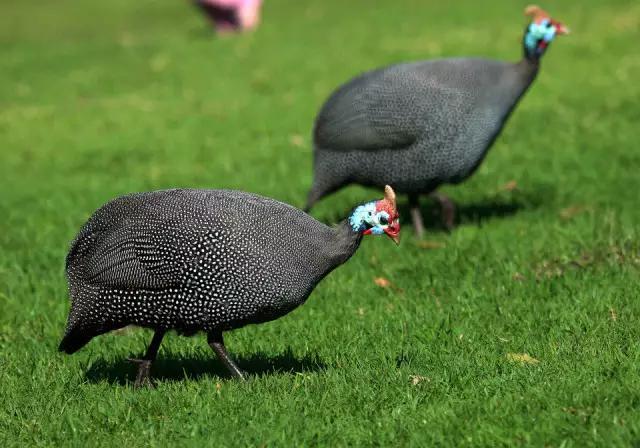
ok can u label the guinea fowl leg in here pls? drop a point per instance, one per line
(217, 344)
(144, 364)
(448, 210)
(416, 216)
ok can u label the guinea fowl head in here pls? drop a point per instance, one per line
(378, 217)
(540, 32)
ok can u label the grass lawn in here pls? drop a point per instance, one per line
(521, 327)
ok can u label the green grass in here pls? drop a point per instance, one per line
(98, 99)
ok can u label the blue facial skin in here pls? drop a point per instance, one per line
(537, 32)
(366, 217)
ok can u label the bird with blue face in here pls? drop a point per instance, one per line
(424, 124)
(201, 260)
(373, 218)
(540, 32)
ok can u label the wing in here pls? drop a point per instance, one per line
(159, 240)
(146, 240)
(141, 254)
(393, 107)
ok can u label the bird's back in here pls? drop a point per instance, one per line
(393, 106)
(443, 114)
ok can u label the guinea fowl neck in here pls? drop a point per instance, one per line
(531, 60)
(528, 67)
(345, 242)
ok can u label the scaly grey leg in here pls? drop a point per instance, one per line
(416, 216)
(144, 364)
(448, 210)
(216, 342)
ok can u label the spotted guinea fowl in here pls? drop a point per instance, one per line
(419, 125)
(204, 260)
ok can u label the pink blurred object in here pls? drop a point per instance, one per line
(232, 15)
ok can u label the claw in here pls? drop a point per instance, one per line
(143, 376)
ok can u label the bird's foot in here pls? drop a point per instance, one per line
(143, 376)
(416, 218)
(447, 210)
(217, 344)
(235, 371)
(240, 374)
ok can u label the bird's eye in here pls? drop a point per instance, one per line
(384, 220)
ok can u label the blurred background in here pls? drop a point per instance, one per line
(144, 95)
(99, 99)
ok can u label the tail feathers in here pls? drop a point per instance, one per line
(318, 192)
(312, 198)
(74, 339)
(309, 204)
(330, 173)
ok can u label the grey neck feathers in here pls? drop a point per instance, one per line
(345, 242)
(532, 58)
(528, 69)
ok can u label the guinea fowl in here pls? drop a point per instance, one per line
(204, 260)
(419, 125)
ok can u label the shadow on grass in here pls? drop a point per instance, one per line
(169, 368)
(500, 205)
(204, 32)
(473, 213)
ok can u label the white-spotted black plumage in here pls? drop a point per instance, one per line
(196, 260)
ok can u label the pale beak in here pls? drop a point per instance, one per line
(393, 231)
(561, 29)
